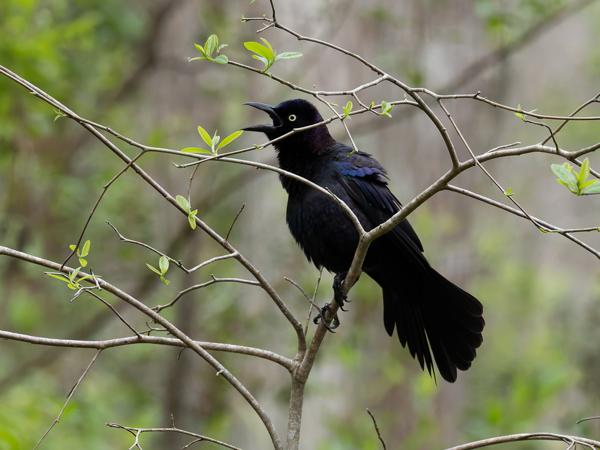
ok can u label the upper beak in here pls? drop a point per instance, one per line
(270, 111)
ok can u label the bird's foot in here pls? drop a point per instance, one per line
(338, 290)
(331, 323)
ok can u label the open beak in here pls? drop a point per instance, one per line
(270, 111)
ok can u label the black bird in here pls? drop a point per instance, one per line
(431, 315)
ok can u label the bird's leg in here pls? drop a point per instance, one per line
(338, 293)
(331, 323)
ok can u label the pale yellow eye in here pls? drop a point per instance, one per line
(292, 117)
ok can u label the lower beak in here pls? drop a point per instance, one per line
(270, 111)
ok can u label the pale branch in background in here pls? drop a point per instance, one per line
(571, 441)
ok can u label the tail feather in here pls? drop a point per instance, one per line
(436, 319)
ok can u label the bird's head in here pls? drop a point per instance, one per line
(290, 115)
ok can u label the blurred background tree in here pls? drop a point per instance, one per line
(124, 64)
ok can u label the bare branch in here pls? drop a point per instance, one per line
(570, 440)
(137, 432)
(190, 343)
(376, 429)
(177, 262)
(97, 203)
(167, 196)
(547, 226)
(196, 287)
(585, 419)
(234, 221)
(69, 397)
(143, 339)
(114, 311)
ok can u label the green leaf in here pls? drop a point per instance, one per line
(386, 108)
(83, 262)
(72, 247)
(211, 45)
(183, 202)
(584, 172)
(268, 45)
(520, 114)
(86, 248)
(221, 47)
(565, 175)
(593, 188)
(153, 269)
(200, 49)
(164, 281)
(229, 139)
(204, 135)
(215, 142)
(192, 219)
(163, 263)
(83, 278)
(221, 59)
(586, 184)
(288, 55)
(347, 109)
(62, 278)
(509, 192)
(74, 274)
(197, 58)
(196, 150)
(259, 49)
(263, 60)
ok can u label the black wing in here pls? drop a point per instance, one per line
(365, 181)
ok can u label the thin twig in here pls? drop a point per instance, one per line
(143, 339)
(173, 330)
(376, 429)
(69, 397)
(137, 432)
(97, 203)
(233, 222)
(195, 287)
(115, 312)
(585, 419)
(173, 260)
(589, 443)
(547, 226)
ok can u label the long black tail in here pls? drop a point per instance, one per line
(433, 315)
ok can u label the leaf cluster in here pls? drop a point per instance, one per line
(210, 51)
(71, 280)
(266, 54)
(577, 182)
(82, 253)
(214, 142)
(185, 205)
(163, 268)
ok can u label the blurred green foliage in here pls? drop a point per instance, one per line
(507, 20)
